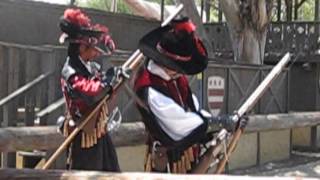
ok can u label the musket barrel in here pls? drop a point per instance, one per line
(258, 92)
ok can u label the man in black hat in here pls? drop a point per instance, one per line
(84, 85)
(170, 111)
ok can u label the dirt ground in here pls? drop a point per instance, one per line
(300, 164)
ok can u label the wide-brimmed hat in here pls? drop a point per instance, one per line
(176, 47)
(77, 28)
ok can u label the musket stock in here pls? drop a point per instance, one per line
(212, 153)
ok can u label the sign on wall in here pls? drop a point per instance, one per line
(215, 94)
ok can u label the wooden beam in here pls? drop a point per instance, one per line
(87, 175)
(28, 138)
(130, 134)
(47, 137)
(272, 122)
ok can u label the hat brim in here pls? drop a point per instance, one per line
(147, 46)
(103, 50)
(74, 31)
(99, 46)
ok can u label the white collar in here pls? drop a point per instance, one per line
(155, 69)
(86, 64)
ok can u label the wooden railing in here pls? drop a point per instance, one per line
(131, 134)
(23, 92)
(282, 37)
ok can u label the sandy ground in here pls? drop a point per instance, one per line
(300, 164)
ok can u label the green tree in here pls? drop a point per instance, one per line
(306, 11)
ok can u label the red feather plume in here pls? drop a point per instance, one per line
(75, 16)
(185, 26)
(101, 28)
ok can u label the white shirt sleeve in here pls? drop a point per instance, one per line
(173, 119)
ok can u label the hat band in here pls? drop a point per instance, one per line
(89, 41)
(171, 55)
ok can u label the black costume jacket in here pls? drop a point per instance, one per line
(81, 84)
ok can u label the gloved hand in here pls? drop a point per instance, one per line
(232, 122)
(112, 76)
(224, 121)
(243, 121)
(123, 72)
(228, 122)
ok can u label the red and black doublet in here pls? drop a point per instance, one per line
(92, 148)
(171, 113)
(164, 122)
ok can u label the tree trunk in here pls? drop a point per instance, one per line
(289, 7)
(113, 7)
(249, 46)
(247, 22)
(145, 9)
(207, 9)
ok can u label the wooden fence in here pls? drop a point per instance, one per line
(282, 37)
(31, 91)
(133, 134)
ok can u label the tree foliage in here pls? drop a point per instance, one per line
(306, 11)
